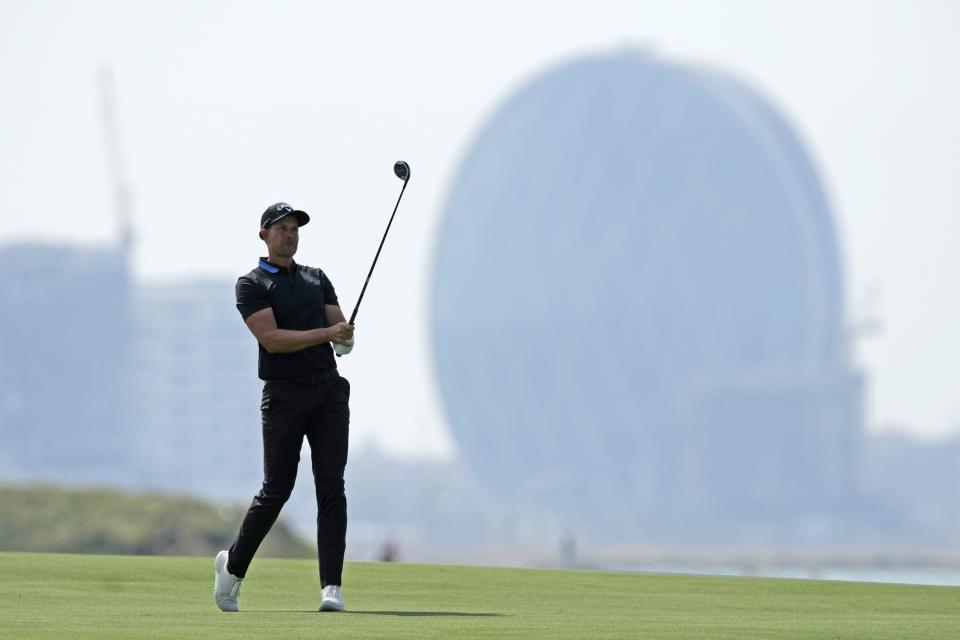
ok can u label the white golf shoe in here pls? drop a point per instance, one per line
(226, 586)
(332, 598)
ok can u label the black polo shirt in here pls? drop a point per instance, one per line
(297, 296)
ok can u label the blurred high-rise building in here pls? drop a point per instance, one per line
(194, 377)
(66, 334)
(102, 382)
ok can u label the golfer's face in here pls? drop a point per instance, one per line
(283, 237)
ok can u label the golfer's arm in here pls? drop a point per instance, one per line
(263, 325)
(334, 314)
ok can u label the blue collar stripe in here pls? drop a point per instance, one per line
(266, 266)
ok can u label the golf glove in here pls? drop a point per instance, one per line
(343, 349)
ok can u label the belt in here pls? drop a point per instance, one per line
(321, 376)
(311, 378)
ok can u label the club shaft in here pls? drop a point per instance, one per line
(353, 316)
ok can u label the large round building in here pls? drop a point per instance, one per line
(637, 307)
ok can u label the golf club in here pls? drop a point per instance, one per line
(402, 170)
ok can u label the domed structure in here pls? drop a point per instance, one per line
(637, 261)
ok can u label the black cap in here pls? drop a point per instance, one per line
(281, 210)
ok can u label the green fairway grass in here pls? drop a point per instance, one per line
(86, 596)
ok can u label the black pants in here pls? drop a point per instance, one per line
(291, 409)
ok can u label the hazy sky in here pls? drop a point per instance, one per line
(226, 107)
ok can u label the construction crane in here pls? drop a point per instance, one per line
(116, 165)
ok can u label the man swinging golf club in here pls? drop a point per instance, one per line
(293, 312)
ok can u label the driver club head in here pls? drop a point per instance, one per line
(402, 170)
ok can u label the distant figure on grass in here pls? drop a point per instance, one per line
(389, 551)
(293, 312)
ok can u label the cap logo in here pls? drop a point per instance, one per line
(283, 206)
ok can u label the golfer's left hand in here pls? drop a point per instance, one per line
(343, 349)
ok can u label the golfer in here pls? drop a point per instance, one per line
(293, 312)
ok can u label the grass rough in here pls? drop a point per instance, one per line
(51, 519)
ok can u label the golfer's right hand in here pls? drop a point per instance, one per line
(342, 332)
